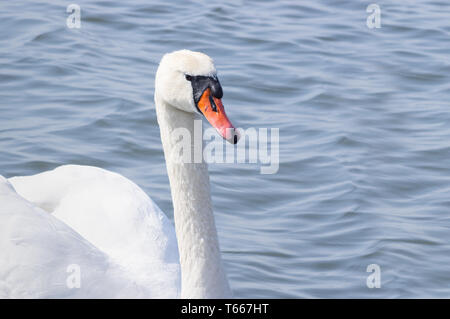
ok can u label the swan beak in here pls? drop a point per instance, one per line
(212, 108)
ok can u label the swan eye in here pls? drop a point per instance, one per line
(188, 77)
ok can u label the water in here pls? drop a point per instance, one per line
(363, 115)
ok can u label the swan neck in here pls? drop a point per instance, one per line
(201, 266)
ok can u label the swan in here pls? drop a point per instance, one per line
(85, 232)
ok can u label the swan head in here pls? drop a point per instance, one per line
(188, 81)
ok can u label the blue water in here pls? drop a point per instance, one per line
(363, 116)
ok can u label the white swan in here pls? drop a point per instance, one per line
(80, 231)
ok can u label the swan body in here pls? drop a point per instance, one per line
(120, 242)
(124, 245)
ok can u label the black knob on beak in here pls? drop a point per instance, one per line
(216, 89)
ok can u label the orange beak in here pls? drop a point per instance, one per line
(212, 108)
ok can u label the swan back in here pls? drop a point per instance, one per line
(100, 215)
